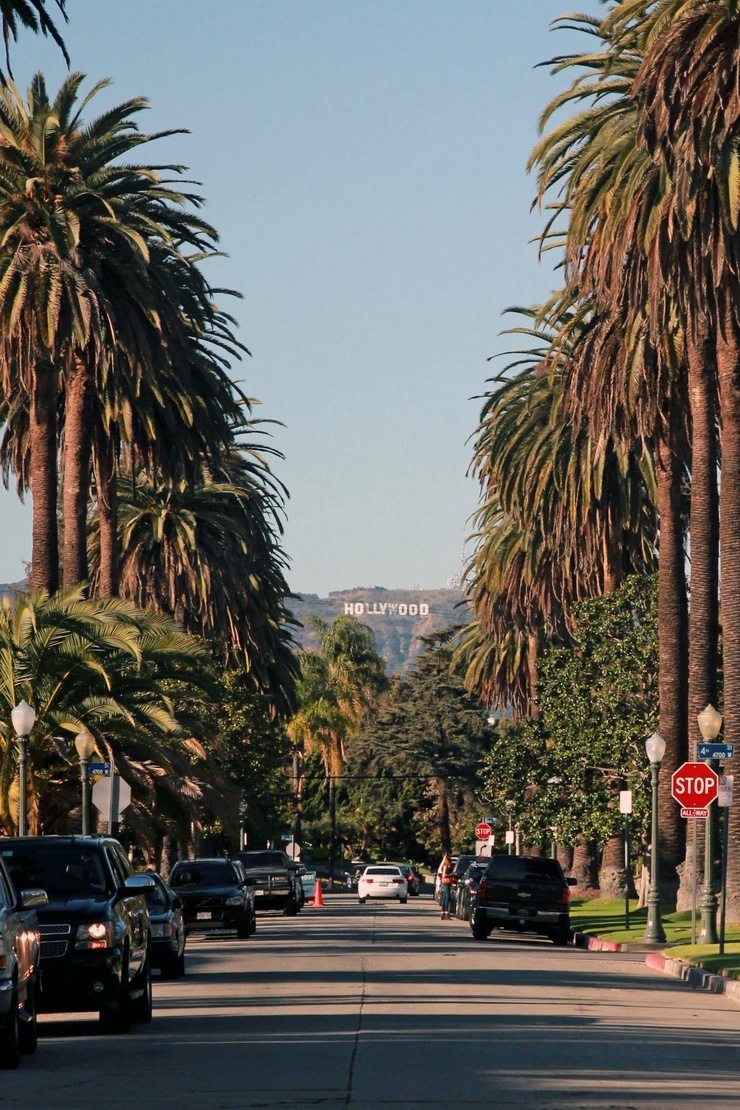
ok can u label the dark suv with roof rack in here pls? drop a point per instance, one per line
(525, 894)
(95, 942)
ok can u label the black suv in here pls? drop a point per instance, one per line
(522, 893)
(274, 878)
(214, 895)
(95, 928)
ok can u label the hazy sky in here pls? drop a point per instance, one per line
(364, 163)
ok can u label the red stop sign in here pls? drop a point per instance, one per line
(483, 831)
(694, 785)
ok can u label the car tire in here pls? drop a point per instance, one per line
(28, 1033)
(560, 937)
(116, 1018)
(403, 901)
(243, 930)
(172, 966)
(290, 909)
(479, 926)
(141, 1007)
(362, 901)
(10, 1041)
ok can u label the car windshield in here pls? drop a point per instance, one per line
(62, 870)
(524, 869)
(204, 873)
(262, 859)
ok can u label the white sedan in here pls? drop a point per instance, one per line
(382, 882)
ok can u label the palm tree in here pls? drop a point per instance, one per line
(34, 15)
(99, 664)
(85, 308)
(209, 555)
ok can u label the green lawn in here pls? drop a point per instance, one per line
(605, 918)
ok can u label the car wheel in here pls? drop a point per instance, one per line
(362, 901)
(28, 1033)
(561, 937)
(10, 1046)
(479, 926)
(172, 966)
(243, 931)
(116, 1017)
(290, 909)
(403, 901)
(141, 1007)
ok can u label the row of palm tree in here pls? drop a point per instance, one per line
(157, 522)
(641, 182)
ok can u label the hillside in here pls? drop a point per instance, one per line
(398, 618)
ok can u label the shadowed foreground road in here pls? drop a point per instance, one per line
(384, 1006)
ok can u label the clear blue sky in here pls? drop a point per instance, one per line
(365, 166)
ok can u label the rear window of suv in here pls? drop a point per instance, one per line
(208, 873)
(524, 869)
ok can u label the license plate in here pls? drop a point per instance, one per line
(260, 892)
(204, 915)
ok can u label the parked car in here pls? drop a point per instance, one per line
(274, 879)
(524, 893)
(20, 953)
(467, 886)
(167, 923)
(214, 895)
(95, 934)
(412, 880)
(382, 881)
(461, 864)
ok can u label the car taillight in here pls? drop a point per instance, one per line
(399, 880)
(481, 888)
(368, 880)
(565, 900)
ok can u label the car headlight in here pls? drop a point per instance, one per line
(234, 900)
(98, 934)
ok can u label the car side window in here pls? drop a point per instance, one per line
(5, 898)
(119, 873)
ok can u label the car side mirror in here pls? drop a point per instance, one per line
(136, 884)
(34, 897)
(177, 903)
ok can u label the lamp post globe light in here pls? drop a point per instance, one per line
(23, 718)
(85, 744)
(710, 723)
(654, 932)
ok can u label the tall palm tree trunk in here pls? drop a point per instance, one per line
(704, 593)
(43, 478)
(107, 498)
(77, 451)
(672, 657)
(728, 373)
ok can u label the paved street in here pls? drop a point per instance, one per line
(387, 1006)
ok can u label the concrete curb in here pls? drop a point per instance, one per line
(696, 977)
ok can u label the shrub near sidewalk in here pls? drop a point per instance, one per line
(602, 917)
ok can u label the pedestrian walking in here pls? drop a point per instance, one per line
(445, 888)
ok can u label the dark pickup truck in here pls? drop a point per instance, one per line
(526, 894)
(273, 877)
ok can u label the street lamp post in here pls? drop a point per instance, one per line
(23, 718)
(510, 807)
(654, 932)
(710, 723)
(85, 744)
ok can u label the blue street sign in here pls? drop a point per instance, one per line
(716, 751)
(99, 769)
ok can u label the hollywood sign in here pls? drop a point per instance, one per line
(385, 609)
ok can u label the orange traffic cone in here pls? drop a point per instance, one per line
(318, 899)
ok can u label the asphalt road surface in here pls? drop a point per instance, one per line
(385, 1006)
